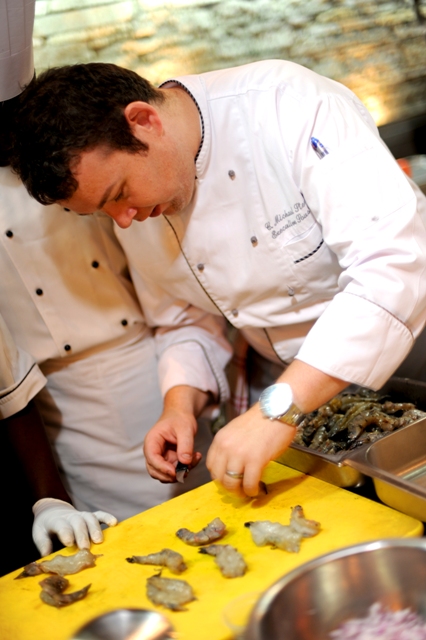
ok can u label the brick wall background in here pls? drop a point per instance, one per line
(375, 47)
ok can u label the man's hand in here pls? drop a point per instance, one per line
(244, 447)
(53, 516)
(171, 439)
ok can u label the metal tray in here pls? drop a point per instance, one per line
(338, 469)
(397, 465)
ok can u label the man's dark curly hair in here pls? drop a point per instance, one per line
(67, 110)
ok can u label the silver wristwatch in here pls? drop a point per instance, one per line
(276, 403)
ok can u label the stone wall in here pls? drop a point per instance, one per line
(377, 48)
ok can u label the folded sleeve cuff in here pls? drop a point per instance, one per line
(188, 356)
(357, 341)
(16, 397)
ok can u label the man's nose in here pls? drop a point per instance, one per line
(121, 213)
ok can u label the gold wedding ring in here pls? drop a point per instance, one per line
(235, 474)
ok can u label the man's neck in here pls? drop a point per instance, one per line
(185, 113)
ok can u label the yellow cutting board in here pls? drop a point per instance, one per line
(345, 519)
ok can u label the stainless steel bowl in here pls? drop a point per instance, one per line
(318, 597)
(127, 624)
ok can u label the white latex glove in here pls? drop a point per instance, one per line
(53, 516)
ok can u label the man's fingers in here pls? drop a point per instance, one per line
(185, 448)
(232, 474)
(93, 527)
(196, 458)
(170, 456)
(42, 541)
(159, 461)
(65, 533)
(160, 475)
(79, 524)
(236, 475)
(160, 466)
(251, 480)
(106, 518)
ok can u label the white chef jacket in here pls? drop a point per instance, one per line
(16, 46)
(20, 377)
(43, 265)
(68, 303)
(322, 259)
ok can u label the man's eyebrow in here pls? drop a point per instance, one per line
(105, 196)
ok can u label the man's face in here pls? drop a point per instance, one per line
(133, 186)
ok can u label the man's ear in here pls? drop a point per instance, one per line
(143, 118)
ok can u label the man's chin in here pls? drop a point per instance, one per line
(157, 212)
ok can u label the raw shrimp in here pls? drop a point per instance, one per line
(278, 535)
(298, 522)
(213, 531)
(169, 592)
(229, 560)
(393, 407)
(350, 420)
(286, 537)
(166, 558)
(61, 565)
(409, 416)
(53, 588)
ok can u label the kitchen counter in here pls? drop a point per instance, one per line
(346, 518)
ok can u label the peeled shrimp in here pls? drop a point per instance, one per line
(286, 537)
(298, 522)
(278, 535)
(61, 565)
(169, 592)
(213, 531)
(53, 588)
(166, 558)
(229, 560)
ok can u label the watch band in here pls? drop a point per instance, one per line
(293, 416)
(276, 403)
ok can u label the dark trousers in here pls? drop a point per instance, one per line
(16, 500)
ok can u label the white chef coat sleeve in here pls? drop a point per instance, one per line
(16, 36)
(20, 377)
(373, 219)
(193, 351)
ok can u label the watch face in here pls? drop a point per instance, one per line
(276, 400)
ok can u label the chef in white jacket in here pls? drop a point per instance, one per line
(72, 312)
(28, 473)
(28, 464)
(265, 195)
(67, 307)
